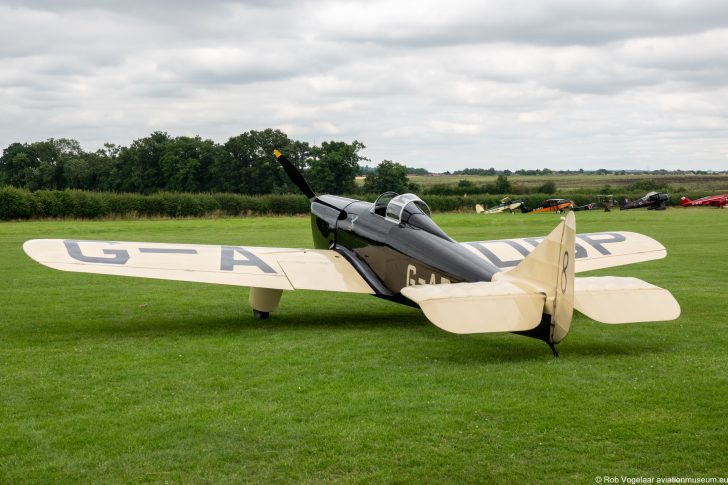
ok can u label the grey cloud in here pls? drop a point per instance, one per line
(169, 7)
(546, 23)
(428, 83)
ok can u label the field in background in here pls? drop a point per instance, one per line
(107, 379)
(708, 184)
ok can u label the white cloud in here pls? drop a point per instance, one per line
(444, 85)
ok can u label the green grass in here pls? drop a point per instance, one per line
(109, 380)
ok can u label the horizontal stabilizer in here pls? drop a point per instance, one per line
(611, 299)
(478, 307)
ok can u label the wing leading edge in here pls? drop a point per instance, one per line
(274, 268)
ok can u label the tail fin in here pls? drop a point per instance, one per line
(479, 209)
(549, 269)
(685, 201)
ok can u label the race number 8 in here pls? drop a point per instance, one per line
(564, 276)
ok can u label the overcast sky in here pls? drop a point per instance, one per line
(435, 84)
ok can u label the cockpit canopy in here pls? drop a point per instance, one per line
(408, 209)
(398, 208)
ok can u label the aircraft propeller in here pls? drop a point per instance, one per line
(295, 175)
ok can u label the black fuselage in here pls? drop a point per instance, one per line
(389, 254)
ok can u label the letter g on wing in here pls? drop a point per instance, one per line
(118, 256)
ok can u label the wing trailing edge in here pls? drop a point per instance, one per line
(273, 268)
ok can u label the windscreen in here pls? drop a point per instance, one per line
(410, 209)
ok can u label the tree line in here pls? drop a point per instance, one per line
(244, 164)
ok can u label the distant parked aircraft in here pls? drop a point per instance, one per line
(585, 207)
(711, 200)
(551, 205)
(506, 205)
(653, 201)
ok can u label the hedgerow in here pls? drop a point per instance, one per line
(17, 204)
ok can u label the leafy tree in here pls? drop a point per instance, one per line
(18, 165)
(502, 185)
(54, 155)
(366, 170)
(389, 176)
(185, 164)
(417, 171)
(77, 173)
(247, 164)
(646, 185)
(139, 167)
(51, 164)
(103, 164)
(548, 187)
(334, 165)
(476, 171)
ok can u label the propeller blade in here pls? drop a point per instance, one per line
(295, 175)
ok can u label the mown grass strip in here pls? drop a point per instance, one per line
(109, 379)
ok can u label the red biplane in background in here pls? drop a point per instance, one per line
(711, 200)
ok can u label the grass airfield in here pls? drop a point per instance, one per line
(107, 379)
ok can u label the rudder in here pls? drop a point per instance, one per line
(549, 269)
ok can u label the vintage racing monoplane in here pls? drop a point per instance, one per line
(393, 249)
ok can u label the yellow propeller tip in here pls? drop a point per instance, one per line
(277, 153)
